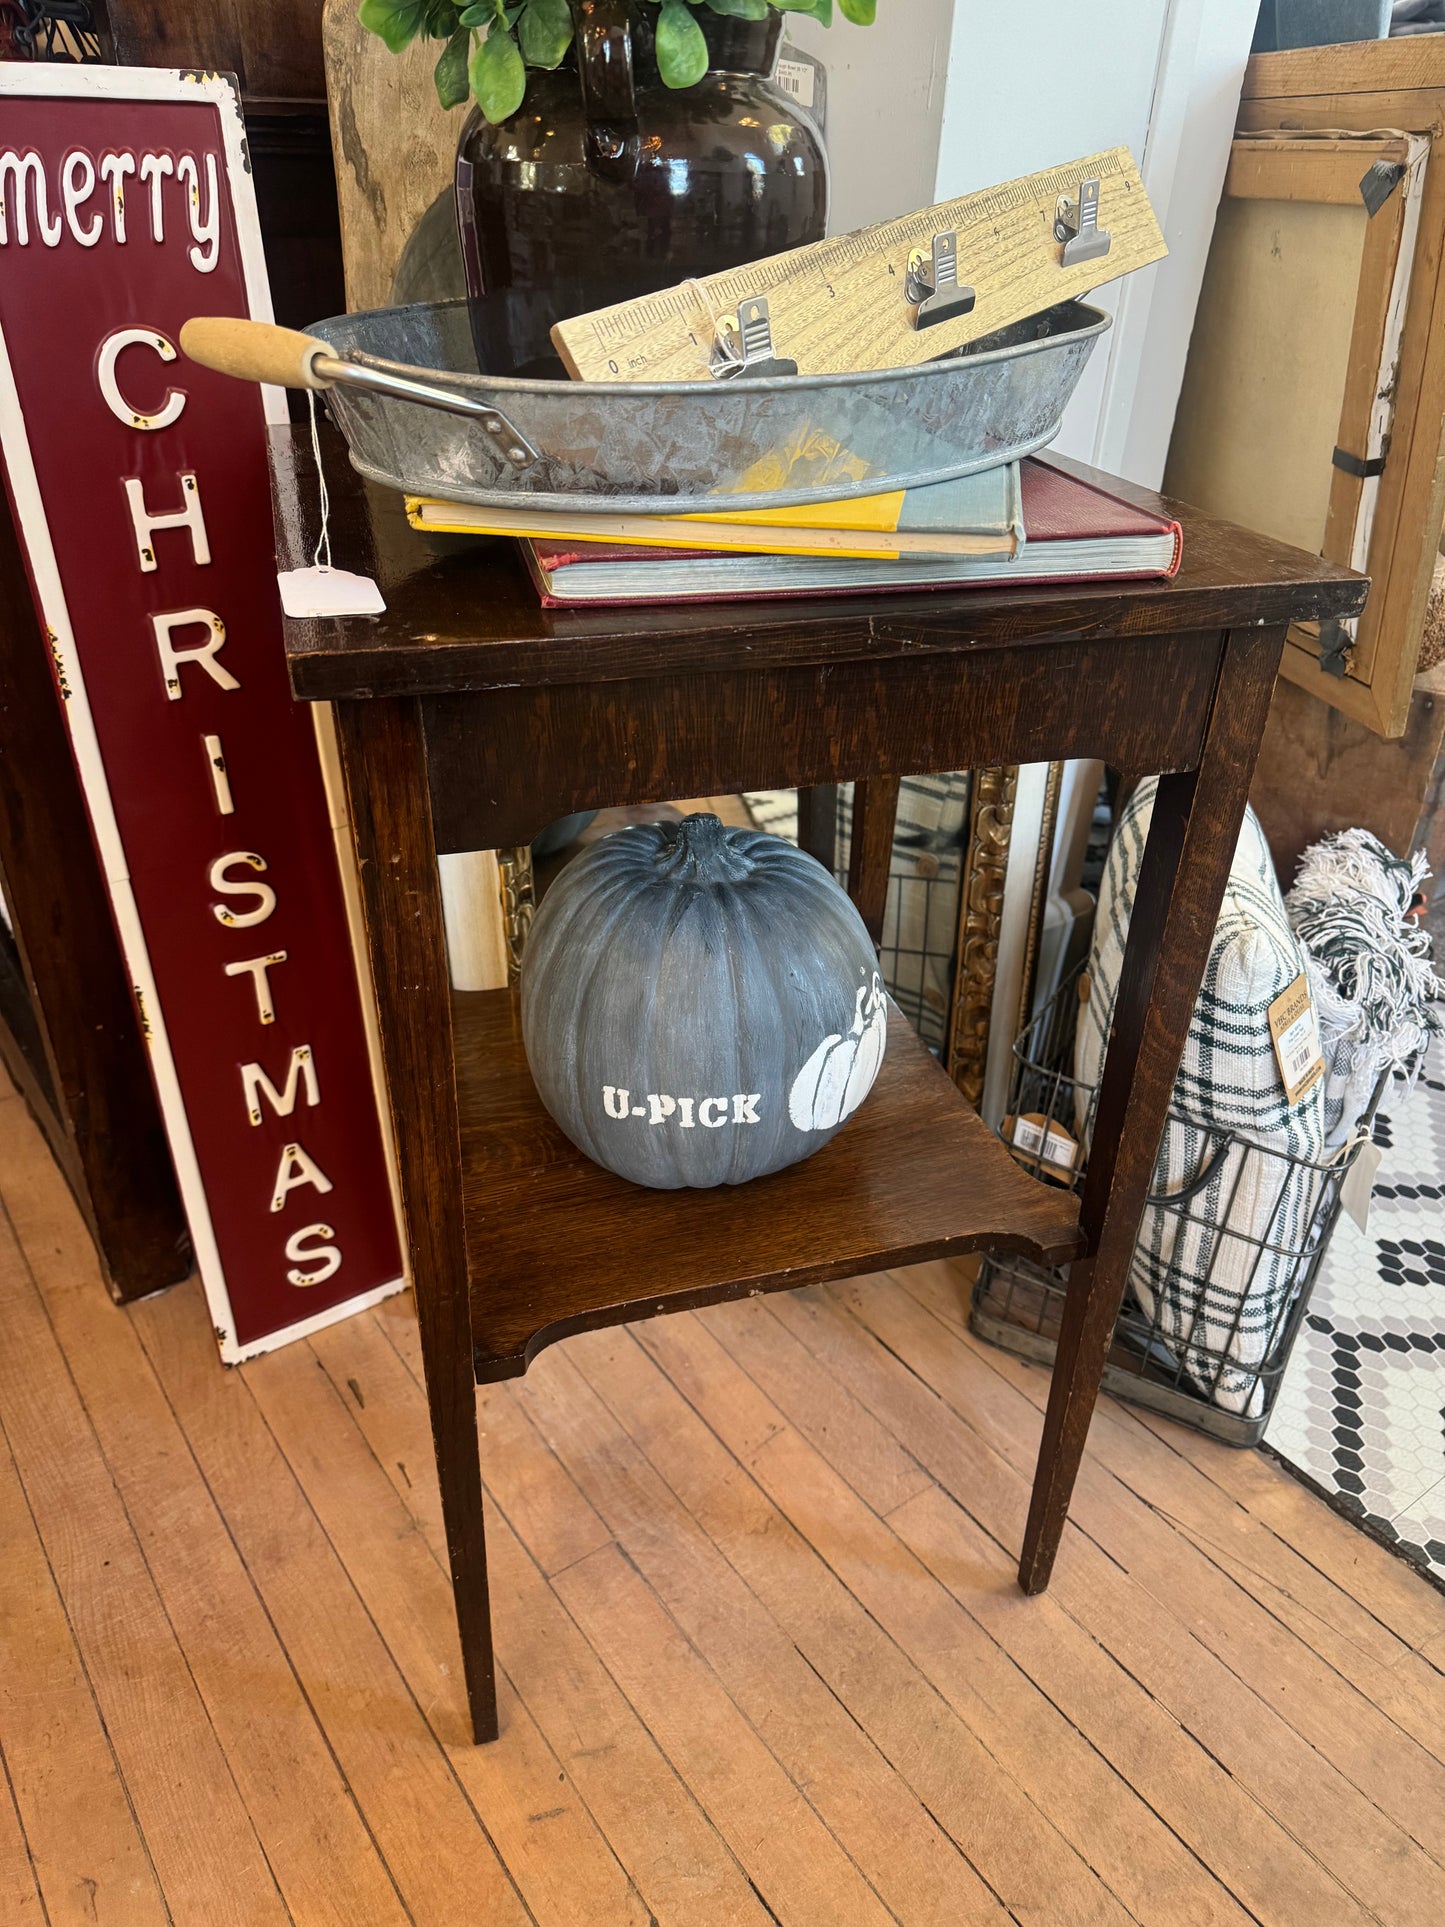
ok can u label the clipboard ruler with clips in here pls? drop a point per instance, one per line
(902, 292)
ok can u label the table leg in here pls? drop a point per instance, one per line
(870, 849)
(383, 757)
(1192, 836)
(818, 823)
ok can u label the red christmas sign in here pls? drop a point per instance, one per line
(140, 487)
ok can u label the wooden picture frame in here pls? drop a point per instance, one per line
(1397, 84)
(1294, 387)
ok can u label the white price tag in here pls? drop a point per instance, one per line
(795, 78)
(322, 591)
(1359, 1184)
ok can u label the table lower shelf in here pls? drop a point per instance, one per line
(557, 1245)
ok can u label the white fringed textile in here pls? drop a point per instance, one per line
(1370, 970)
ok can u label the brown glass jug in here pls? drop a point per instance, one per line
(606, 184)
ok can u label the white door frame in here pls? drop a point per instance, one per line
(1196, 101)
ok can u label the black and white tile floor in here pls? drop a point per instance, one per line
(1361, 1411)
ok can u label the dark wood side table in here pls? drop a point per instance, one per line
(469, 717)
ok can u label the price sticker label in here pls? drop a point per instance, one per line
(1296, 1033)
(795, 78)
(1041, 1137)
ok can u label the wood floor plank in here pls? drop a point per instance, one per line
(1396, 1682)
(20, 1900)
(797, 1867)
(63, 1782)
(1343, 1827)
(1142, 1863)
(914, 1867)
(686, 1875)
(1225, 1612)
(171, 1760)
(642, 1819)
(1355, 1602)
(1017, 1853)
(794, 1379)
(1386, 1589)
(1067, 1652)
(883, 1474)
(425, 1828)
(1017, 1850)
(527, 1481)
(760, 1607)
(1304, 1562)
(323, 1858)
(1317, 1611)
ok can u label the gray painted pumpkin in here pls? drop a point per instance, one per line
(700, 1005)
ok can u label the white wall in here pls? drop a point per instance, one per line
(1031, 86)
(943, 96)
(1196, 101)
(885, 106)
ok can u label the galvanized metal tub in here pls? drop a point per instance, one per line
(650, 448)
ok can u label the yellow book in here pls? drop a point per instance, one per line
(977, 515)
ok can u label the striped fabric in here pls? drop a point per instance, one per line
(1216, 1271)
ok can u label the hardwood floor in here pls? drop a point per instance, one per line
(764, 1659)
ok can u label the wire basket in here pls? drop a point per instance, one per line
(1207, 1338)
(925, 879)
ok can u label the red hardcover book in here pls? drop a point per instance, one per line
(1076, 532)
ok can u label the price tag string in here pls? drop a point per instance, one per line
(323, 541)
(323, 590)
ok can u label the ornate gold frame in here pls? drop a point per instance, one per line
(980, 913)
(1053, 794)
(519, 903)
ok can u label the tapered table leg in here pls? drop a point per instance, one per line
(1192, 837)
(384, 759)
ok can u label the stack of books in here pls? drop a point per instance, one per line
(1025, 522)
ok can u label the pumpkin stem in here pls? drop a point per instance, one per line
(697, 847)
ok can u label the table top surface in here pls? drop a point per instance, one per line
(462, 612)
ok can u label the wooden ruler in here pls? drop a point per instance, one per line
(848, 304)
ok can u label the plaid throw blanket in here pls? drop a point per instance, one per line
(1216, 1270)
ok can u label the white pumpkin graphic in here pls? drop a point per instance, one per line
(840, 1073)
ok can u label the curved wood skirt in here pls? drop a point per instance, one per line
(557, 1245)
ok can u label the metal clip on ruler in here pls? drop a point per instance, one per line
(884, 297)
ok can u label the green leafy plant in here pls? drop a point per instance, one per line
(490, 44)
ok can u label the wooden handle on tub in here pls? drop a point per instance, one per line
(254, 350)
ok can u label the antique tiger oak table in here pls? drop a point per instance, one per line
(469, 717)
